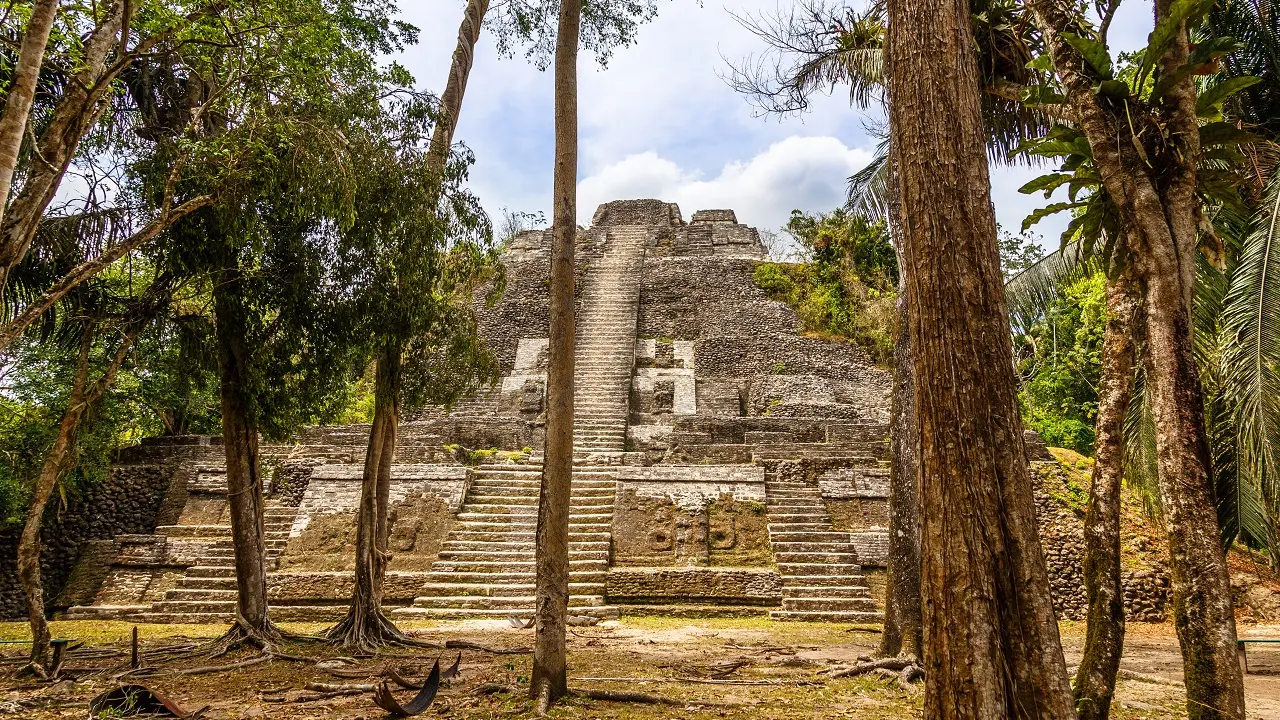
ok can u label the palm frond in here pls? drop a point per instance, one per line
(1141, 468)
(1032, 291)
(868, 193)
(1251, 360)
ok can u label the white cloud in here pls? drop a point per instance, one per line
(798, 172)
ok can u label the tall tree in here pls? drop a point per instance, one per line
(423, 244)
(550, 669)
(365, 625)
(107, 326)
(991, 645)
(1150, 184)
(22, 91)
(1104, 639)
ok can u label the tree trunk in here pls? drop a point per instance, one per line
(244, 483)
(902, 625)
(22, 92)
(366, 627)
(991, 645)
(456, 86)
(82, 397)
(1104, 637)
(79, 108)
(550, 677)
(1158, 207)
(29, 546)
(1201, 590)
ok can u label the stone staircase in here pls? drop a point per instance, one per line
(605, 345)
(207, 593)
(821, 577)
(486, 564)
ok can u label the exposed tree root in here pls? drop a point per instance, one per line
(369, 632)
(862, 668)
(544, 699)
(631, 697)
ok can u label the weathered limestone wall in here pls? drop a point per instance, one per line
(748, 348)
(729, 586)
(131, 500)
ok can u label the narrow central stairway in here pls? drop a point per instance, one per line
(486, 564)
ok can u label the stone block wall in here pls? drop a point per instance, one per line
(127, 501)
(729, 586)
(335, 489)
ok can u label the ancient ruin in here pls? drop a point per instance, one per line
(725, 464)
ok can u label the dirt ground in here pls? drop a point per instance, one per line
(779, 678)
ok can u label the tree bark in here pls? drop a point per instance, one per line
(29, 545)
(365, 627)
(244, 482)
(1104, 637)
(456, 86)
(902, 624)
(1158, 207)
(902, 627)
(550, 676)
(77, 111)
(82, 397)
(991, 645)
(22, 92)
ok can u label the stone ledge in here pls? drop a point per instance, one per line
(694, 585)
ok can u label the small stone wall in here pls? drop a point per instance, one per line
(1060, 513)
(729, 586)
(336, 489)
(127, 501)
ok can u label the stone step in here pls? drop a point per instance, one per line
(823, 580)
(836, 591)
(851, 616)
(827, 604)
(520, 537)
(523, 554)
(820, 569)
(806, 536)
(799, 527)
(453, 544)
(501, 565)
(604, 612)
(504, 578)
(783, 547)
(511, 602)
(802, 558)
(809, 518)
(448, 589)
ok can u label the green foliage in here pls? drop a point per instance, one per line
(846, 289)
(1019, 252)
(606, 25)
(1059, 362)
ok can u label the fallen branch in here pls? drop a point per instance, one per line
(630, 696)
(468, 645)
(339, 687)
(309, 696)
(233, 666)
(698, 681)
(1143, 677)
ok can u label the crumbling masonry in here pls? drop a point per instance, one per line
(724, 462)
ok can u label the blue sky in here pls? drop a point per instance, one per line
(659, 122)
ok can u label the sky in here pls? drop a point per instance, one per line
(660, 122)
